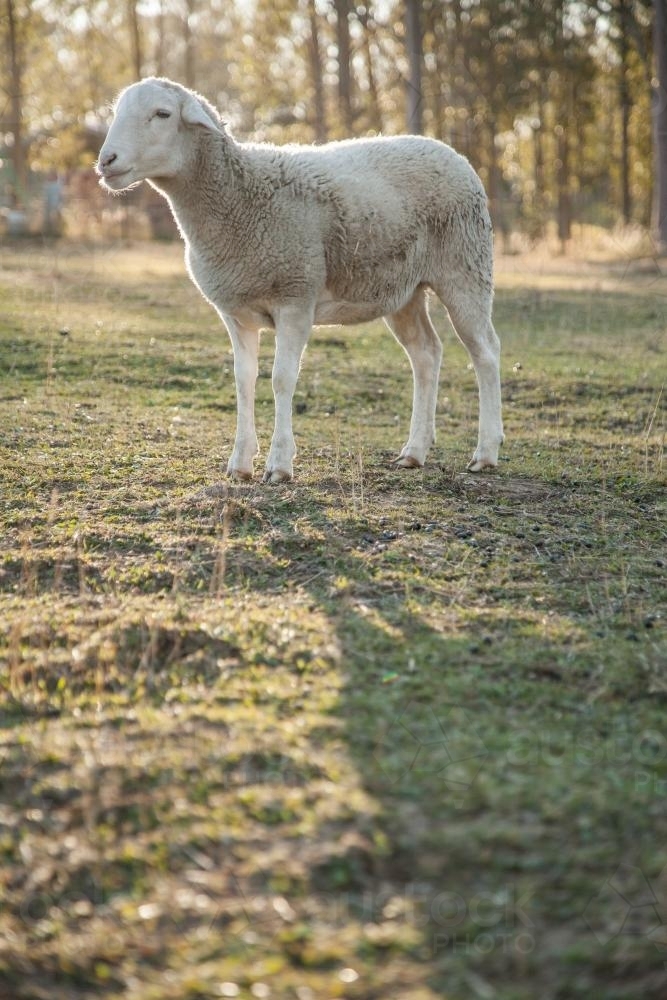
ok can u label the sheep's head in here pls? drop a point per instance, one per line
(148, 136)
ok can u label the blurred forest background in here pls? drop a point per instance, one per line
(557, 103)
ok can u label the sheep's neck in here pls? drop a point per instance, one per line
(211, 198)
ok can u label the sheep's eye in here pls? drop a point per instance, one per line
(163, 114)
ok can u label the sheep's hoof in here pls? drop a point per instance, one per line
(478, 464)
(407, 462)
(240, 474)
(276, 476)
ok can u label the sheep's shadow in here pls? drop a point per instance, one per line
(413, 710)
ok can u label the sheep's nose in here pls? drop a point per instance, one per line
(106, 161)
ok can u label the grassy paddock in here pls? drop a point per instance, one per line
(372, 734)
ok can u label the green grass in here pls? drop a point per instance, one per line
(371, 734)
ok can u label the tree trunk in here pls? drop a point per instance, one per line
(189, 41)
(493, 185)
(315, 58)
(374, 109)
(626, 106)
(564, 120)
(344, 61)
(490, 86)
(159, 48)
(660, 123)
(539, 202)
(16, 103)
(414, 47)
(135, 37)
(563, 186)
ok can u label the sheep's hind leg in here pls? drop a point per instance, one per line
(414, 331)
(245, 344)
(293, 326)
(470, 314)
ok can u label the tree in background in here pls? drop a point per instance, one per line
(315, 59)
(551, 101)
(344, 60)
(15, 50)
(660, 121)
(134, 24)
(415, 52)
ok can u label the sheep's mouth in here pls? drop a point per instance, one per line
(111, 177)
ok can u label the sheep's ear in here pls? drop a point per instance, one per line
(194, 113)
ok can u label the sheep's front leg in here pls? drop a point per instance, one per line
(293, 328)
(245, 344)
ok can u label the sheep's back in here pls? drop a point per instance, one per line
(415, 170)
(384, 202)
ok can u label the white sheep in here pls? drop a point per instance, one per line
(294, 236)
